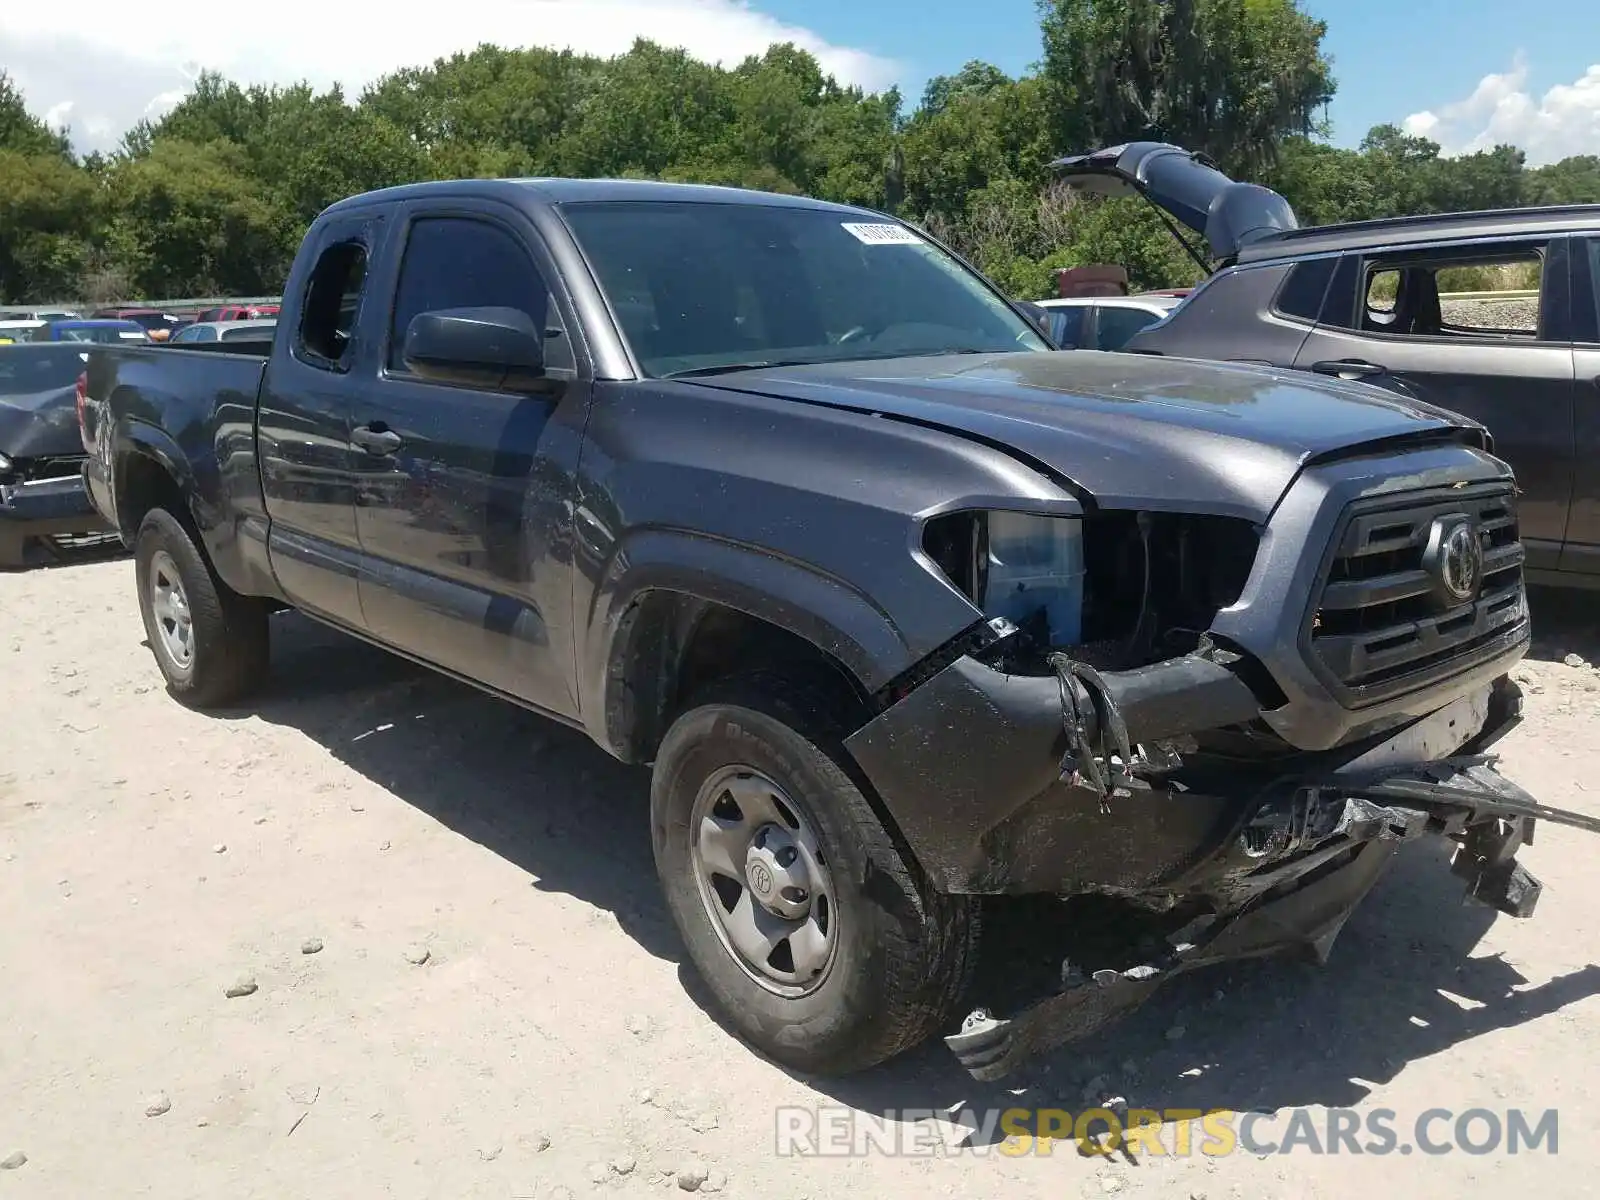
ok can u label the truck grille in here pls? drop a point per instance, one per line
(1417, 589)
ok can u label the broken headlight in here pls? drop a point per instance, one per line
(1026, 567)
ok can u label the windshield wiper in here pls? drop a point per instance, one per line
(729, 368)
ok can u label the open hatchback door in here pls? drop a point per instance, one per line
(1186, 186)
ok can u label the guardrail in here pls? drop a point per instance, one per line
(183, 305)
(1527, 294)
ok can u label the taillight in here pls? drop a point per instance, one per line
(82, 390)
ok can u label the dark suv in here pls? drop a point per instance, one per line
(1403, 303)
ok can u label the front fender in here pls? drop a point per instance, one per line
(837, 619)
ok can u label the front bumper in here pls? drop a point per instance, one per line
(47, 508)
(1234, 859)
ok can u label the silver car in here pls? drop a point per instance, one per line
(224, 331)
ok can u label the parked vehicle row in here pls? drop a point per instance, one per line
(903, 607)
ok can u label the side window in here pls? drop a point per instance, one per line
(205, 334)
(1465, 294)
(460, 262)
(1300, 295)
(1118, 323)
(1066, 325)
(329, 311)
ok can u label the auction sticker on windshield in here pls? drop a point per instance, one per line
(882, 234)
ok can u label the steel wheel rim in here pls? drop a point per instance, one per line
(169, 605)
(754, 849)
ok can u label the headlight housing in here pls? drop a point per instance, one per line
(1026, 567)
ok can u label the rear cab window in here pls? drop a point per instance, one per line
(328, 314)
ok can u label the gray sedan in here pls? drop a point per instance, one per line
(224, 331)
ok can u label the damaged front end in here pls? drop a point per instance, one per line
(1143, 764)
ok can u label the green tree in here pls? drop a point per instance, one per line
(1574, 180)
(189, 219)
(48, 212)
(1227, 77)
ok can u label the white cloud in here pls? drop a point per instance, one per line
(109, 66)
(1501, 109)
(57, 115)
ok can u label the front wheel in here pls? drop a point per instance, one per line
(822, 944)
(209, 642)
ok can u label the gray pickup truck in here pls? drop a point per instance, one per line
(906, 610)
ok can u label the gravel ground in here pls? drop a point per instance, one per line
(379, 935)
(1492, 314)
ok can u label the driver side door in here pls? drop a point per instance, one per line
(463, 493)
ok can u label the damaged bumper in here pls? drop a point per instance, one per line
(1077, 784)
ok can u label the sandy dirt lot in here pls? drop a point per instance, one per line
(550, 1043)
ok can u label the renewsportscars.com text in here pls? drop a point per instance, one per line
(1179, 1132)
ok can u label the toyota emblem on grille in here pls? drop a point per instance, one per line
(1454, 559)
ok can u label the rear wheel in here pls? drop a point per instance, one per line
(820, 940)
(210, 643)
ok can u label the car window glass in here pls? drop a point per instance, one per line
(458, 262)
(1303, 288)
(328, 314)
(1066, 325)
(1115, 325)
(1468, 295)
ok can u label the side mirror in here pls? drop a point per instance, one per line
(499, 348)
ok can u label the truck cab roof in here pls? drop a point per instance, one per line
(539, 190)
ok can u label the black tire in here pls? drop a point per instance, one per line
(230, 638)
(905, 952)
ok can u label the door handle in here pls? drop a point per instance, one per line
(1348, 366)
(376, 438)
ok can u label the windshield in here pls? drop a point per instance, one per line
(700, 287)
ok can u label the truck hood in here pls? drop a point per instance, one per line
(39, 424)
(1186, 185)
(1132, 431)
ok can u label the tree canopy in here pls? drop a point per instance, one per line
(213, 198)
